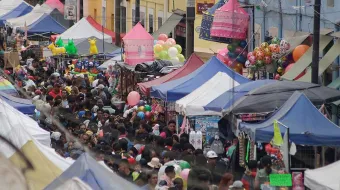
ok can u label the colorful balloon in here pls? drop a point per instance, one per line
(267, 60)
(256, 50)
(259, 63)
(259, 55)
(241, 59)
(179, 48)
(174, 59)
(247, 64)
(133, 98)
(163, 55)
(141, 103)
(275, 40)
(284, 45)
(163, 37)
(184, 165)
(157, 48)
(249, 55)
(231, 48)
(148, 115)
(171, 41)
(160, 42)
(264, 45)
(185, 174)
(299, 51)
(147, 108)
(141, 115)
(275, 56)
(243, 44)
(252, 59)
(181, 58)
(172, 52)
(277, 77)
(275, 48)
(238, 50)
(231, 54)
(267, 51)
(141, 108)
(279, 70)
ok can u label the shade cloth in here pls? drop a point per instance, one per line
(177, 89)
(272, 96)
(193, 103)
(83, 29)
(230, 21)
(83, 46)
(228, 98)
(206, 24)
(110, 61)
(7, 87)
(74, 184)
(325, 178)
(306, 59)
(114, 53)
(45, 25)
(191, 65)
(93, 174)
(20, 10)
(307, 125)
(8, 5)
(25, 106)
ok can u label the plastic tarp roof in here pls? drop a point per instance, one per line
(177, 89)
(46, 25)
(228, 98)
(55, 4)
(93, 174)
(20, 10)
(23, 105)
(325, 178)
(8, 5)
(7, 87)
(37, 12)
(83, 29)
(191, 65)
(84, 46)
(59, 17)
(100, 28)
(192, 104)
(110, 61)
(307, 125)
(115, 53)
(74, 184)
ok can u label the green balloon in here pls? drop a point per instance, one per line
(184, 165)
(276, 40)
(259, 63)
(163, 55)
(179, 48)
(231, 48)
(181, 57)
(147, 108)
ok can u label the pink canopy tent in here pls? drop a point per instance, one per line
(55, 4)
(138, 46)
(191, 65)
(230, 21)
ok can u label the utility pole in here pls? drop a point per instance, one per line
(117, 22)
(190, 27)
(316, 43)
(137, 14)
(281, 20)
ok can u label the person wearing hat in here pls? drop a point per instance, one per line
(155, 163)
(262, 175)
(237, 185)
(101, 92)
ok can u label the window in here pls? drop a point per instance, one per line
(150, 23)
(330, 3)
(123, 20)
(142, 19)
(104, 16)
(133, 17)
(160, 16)
(160, 22)
(81, 9)
(112, 21)
(95, 14)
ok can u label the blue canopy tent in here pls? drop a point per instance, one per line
(177, 89)
(22, 9)
(115, 53)
(93, 174)
(307, 125)
(23, 105)
(227, 99)
(45, 25)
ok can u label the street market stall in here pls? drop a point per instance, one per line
(20, 10)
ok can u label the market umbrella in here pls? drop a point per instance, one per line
(272, 96)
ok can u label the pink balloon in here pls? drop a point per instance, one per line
(160, 42)
(277, 77)
(289, 67)
(229, 63)
(133, 98)
(249, 55)
(171, 41)
(245, 54)
(163, 37)
(238, 50)
(252, 59)
(185, 174)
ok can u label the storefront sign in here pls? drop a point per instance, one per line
(284, 180)
(70, 10)
(203, 5)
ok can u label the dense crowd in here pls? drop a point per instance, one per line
(81, 115)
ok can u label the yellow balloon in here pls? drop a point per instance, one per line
(157, 48)
(264, 45)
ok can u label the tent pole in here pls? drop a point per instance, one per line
(288, 136)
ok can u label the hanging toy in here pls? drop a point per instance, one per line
(71, 49)
(59, 43)
(93, 47)
(78, 66)
(56, 50)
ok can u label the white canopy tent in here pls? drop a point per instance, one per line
(193, 104)
(74, 184)
(37, 12)
(8, 5)
(83, 29)
(325, 178)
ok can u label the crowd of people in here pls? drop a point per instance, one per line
(81, 116)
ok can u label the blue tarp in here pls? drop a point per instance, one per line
(307, 125)
(23, 105)
(93, 174)
(18, 11)
(225, 100)
(177, 89)
(46, 24)
(114, 53)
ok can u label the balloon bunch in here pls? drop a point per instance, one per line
(267, 53)
(166, 49)
(235, 56)
(287, 62)
(144, 111)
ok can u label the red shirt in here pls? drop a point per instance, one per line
(53, 94)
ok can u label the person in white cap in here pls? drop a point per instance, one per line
(237, 185)
(101, 92)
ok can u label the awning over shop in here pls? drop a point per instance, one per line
(45, 25)
(20, 10)
(25, 106)
(316, 178)
(335, 83)
(324, 63)
(306, 59)
(168, 25)
(310, 128)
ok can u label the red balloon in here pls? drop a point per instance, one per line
(160, 42)
(133, 98)
(299, 76)
(148, 115)
(163, 37)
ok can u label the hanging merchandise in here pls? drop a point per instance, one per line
(71, 49)
(192, 136)
(56, 50)
(93, 47)
(217, 145)
(230, 21)
(59, 43)
(242, 150)
(198, 140)
(167, 49)
(208, 17)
